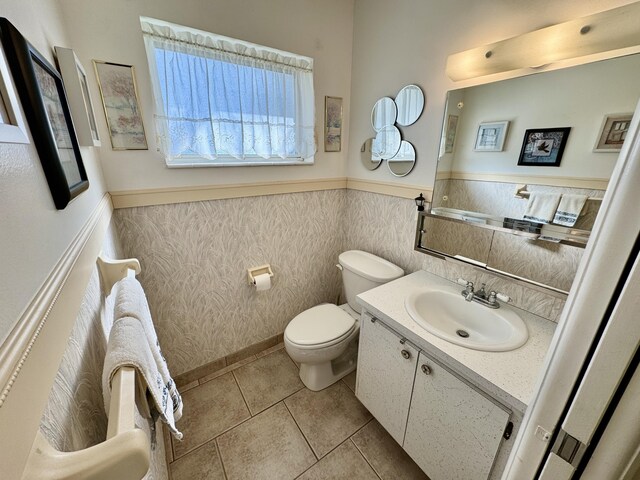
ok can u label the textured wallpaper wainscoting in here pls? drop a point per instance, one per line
(385, 226)
(194, 267)
(74, 418)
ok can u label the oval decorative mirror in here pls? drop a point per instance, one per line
(367, 157)
(402, 163)
(383, 114)
(409, 103)
(387, 143)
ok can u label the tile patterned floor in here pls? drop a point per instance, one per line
(256, 420)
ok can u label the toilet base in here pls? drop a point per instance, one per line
(318, 376)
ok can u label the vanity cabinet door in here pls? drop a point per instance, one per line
(453, 431)
(386, 369)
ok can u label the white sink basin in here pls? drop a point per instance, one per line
(446, 314)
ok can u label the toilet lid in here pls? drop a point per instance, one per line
(319, 324)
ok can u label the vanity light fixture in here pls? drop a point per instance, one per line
(420, 202)
(614, 30)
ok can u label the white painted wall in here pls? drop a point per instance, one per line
(576, 97)
(111, 31)
(408, 41)
(33, 234)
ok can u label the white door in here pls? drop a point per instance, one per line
(604, 376)
(386, 368)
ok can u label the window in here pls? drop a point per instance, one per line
(221, 101)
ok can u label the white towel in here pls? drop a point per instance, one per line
(569, 209)
(131, 301)
(128, 347)
(541, 207)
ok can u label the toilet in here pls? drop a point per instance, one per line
(323, 339)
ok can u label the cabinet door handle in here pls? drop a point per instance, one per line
(406, 354)
(426, 369)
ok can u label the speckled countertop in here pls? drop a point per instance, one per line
(510, 377)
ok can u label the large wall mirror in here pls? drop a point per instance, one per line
(501, 146)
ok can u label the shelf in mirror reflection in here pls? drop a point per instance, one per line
(520, 227)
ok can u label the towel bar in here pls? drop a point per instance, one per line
(125, 454)
(521, 192)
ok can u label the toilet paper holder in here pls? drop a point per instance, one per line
(252, 273)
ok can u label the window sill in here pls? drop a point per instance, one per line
(254, 163)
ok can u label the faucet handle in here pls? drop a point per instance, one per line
(464, 283)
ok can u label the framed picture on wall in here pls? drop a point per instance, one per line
(491, 136)
(613, 132)
(543, 147)
(119, 94)
(450, 133)
(12, 125)
(75, 83)
(332, 124)
(44, 101)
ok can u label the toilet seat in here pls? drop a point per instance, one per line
(320, 326)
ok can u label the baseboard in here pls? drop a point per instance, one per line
(228, 360)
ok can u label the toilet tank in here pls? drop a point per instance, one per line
(362, 271)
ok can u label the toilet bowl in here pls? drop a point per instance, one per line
(323, 339)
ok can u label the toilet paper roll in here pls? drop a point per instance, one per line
(263, 282)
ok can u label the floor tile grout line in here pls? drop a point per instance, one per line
(303, 435)
(236, 426)
(224, 431)
(363, 455)
(246, 404)
(224, 470)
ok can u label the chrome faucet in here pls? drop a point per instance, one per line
(468, 292)
(481, 296)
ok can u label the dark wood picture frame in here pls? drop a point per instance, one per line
(44, 101)
(538, 152)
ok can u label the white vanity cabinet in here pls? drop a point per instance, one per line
(385, 381)
(453, 430)
(449, 428)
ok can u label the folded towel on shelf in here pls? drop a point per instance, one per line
(131, 302)
(569, 209)
(542, 207)
(128, 347)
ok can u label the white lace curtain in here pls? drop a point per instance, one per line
(224, 101)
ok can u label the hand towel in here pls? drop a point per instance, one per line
(128, 347)
(569, 209)
(131, 301)
(541, 207)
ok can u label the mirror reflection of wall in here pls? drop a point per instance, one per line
(578, 97)
(403, 161)
(367, 157)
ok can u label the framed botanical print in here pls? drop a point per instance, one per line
(117, 84)
(75, 83)
(332, 124)
(45, 106)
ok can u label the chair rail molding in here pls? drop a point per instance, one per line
(30, 355)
